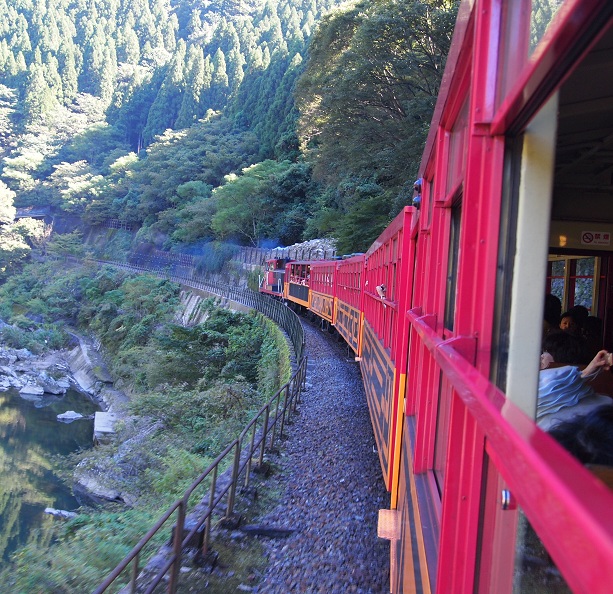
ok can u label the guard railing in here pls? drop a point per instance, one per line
(187, 522)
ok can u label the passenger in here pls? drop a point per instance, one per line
(580, 313)
(564, 389)
(570, 323)
(553, 311)
(592, 334)
(562, 348)
(588, 437)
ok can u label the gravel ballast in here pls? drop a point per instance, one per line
(331, 486)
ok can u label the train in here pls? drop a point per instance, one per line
(444, 312)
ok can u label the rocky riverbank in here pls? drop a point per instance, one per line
(44, 379)
(40, 377)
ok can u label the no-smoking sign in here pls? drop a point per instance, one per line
(596, 238)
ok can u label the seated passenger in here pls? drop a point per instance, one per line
(570, 323)
(565, 390)
(592, 334)
(588, 437)
(553, 310)
(580, 313)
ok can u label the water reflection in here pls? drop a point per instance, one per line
(30, 438)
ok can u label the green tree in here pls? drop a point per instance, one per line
(261, 203)
(366, 99)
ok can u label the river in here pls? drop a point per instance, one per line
(31, 441)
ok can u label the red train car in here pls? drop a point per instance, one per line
(349, 301)
(322, 287)
(516, 200)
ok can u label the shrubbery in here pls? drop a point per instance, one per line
(197, 387)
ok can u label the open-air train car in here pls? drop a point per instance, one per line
(297, 283)
(517, 201)
(445, 311)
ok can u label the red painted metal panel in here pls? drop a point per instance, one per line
(564, 502)
(349, 280)
(378, 375)
(322, 277)
(322, 284)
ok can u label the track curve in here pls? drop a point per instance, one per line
(331, 484)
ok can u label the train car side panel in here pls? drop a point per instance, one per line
(348, 323)
(348, 291)
(322, 289)
(378, 374)
(322, 305)
(413, 554)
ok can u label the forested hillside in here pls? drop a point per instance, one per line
(193, 121)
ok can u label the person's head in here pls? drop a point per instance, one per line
(564, 348)
(588, 437)
(580, 313)
(553, 310)
(569, 323)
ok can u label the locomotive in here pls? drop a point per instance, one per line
(445, 311)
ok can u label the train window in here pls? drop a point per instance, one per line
(541, 16)
(534, 569)
(443, 418)
(457, 149)
(524, 25)
(574, 280)
(452, 265)
(430, 187)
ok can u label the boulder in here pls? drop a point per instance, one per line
(60, 513)
(32, 390)
(7, 357)
(49, 384)
(69, 416)
(64, 382)
(23, 354)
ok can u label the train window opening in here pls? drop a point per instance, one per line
(542, 14)
(458, 138)
(506, 249)
(575, 280)
(534, 569)
(452, 265)
(430, 193)
(441, 443)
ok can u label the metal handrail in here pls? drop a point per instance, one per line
(262, 428)
(273, 413)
